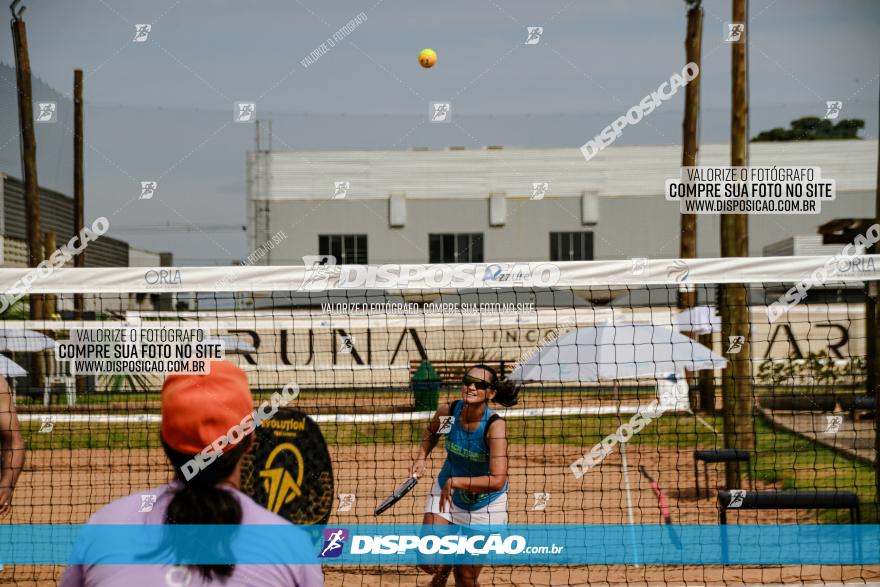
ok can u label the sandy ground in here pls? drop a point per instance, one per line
(66, 486)
(853, 437)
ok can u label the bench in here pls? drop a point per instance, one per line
(45, 394)
(859, 403)
(452, 371)
(787, 500)
(719, 455)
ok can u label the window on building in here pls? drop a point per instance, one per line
(349, 249)
(455, 248)
(571, 246)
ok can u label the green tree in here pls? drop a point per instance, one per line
(813, 128)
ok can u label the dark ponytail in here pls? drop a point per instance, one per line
(201, 501)
(506, 391)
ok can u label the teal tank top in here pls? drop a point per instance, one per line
(467, 455)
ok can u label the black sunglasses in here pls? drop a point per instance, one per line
(467, 381)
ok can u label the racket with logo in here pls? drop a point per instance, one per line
(398, 494)
(288, 469)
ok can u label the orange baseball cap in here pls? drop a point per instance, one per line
(199, 409)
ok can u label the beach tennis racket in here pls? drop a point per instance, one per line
(661, 498)
(398, 494)
(288, 469)
(663, 503)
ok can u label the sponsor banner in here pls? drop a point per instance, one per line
(563, 274)
(654, 544)
(367, 351)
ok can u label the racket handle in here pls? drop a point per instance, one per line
(664, 505)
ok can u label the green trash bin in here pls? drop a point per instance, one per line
(426, 387)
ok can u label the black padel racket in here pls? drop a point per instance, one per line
(288, 469)
(398, 494)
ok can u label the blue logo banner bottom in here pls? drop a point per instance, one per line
(415, 544)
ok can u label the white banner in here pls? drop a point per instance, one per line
(570, 274)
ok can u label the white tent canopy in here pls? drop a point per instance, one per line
(699, 320)
(605, 353)
(9, 368)
(24, 341)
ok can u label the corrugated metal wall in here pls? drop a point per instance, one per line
(477, 173)
(448, 191)
(56, 214)
(806, 245)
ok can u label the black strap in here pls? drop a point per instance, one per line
(492, 418)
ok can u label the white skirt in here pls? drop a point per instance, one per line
(493, 513)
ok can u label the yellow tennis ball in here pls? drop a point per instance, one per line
(427, 58)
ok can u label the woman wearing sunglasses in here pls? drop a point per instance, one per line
(471, 489)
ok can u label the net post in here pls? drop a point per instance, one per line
(872, 334)
(736, 386)
(707, 380)
(689, 147)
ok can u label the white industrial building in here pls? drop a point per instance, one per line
(507, 204)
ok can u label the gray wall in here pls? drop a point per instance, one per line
(627, 227)
(649, 227)
(56, 214)
(524, 237)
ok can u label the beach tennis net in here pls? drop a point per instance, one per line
(624, 415)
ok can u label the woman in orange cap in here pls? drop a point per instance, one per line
(197, 410)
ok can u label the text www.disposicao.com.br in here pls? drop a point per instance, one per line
(141, 366)
(744, 206)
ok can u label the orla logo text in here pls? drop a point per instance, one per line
(163, 277)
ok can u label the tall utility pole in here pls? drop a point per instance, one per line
(689, 143)
(736, 381)
(50, 243)
(872, 321)
(78, 193)
(687, 298)
(28, 149)
(78, 196)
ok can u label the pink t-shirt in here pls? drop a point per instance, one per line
(130, 510)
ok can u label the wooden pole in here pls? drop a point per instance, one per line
(78, 197)
(78, 191)
(872, 343)
(736, 382)
(690, 146)
(43, 360)
(49, 245)
(707, 379)
(687, 296)
(871, 363)
(28, 154)
(872, 332)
